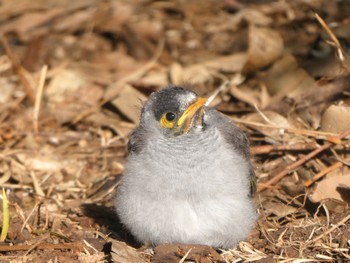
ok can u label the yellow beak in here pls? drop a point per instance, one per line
(184, 122)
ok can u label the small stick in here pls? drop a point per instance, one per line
(185, 256)
(341, 222)
(20, 71)
(38, 190)
(216, 92)
(317, 134)
(236, 80)
(335, 42)
(38, 98)
(299, 162)
(264, 149)
(72, 246)
(329, 169)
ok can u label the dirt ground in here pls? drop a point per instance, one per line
(74, 74)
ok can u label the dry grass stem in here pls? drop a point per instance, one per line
(21, 72)
(335, 42)
(38, 98)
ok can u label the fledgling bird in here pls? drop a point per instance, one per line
(188, 176)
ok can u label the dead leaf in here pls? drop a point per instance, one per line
(122, 253)
(6, 89)
(176, 73)
(286, 78)
(336, 119)
(245, 95)
(23, 24)
(76, 20)
(335, 187)
(196, 75)
(270, 118)
(175, 252)
(94, 258)
(231, 64)
(265, 46)
(129, 102)
(63, 84)
(277, 208)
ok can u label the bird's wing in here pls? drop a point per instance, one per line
(235, 137)
(136, 141)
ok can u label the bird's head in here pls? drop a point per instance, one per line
(174, 111)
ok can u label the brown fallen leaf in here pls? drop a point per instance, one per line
(122, 253)
(336, 119)
(286, 78)
(265, 46)
(278, 208)
(129, 102)
(271, 118)
(31, 20)
(172, 253)
(335, 187)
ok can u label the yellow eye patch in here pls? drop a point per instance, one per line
(168, 120)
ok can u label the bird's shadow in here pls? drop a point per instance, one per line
(107, 217)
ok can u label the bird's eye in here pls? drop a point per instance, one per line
(168, 119)
(170, 116)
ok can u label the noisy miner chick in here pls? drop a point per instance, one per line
(188, 176)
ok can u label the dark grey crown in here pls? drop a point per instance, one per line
(172, 98)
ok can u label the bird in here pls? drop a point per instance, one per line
(188, 175)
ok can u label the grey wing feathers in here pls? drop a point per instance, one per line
(239, 141)
(136, 141)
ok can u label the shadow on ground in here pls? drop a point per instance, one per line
(107, 218)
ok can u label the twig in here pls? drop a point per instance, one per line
(335, 42)
(36, 244)
(38, 98)
(346, 161)
(329, 169)
(341, 222)
(28, 217)
(125, 80)
(216, 92)
(20, 71)
(5, 216)
(185, 256)
(264, 149)
(38, 190)
(316, 134)
(72, 246)
(265, 118)
(299, 162)
(236, 80)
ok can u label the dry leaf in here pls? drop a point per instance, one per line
(197, 74)
(176, 74)
(75, 21)
(278, 209)
(336, 119)
(122, 253)
(129, 102)
(265, 46)
(335, 187)
(232, 63)
(270, 118)
(6, 89)
(29, 21)
(154, 78)
(286, 78)
(175, 252)
(247, 95)
(63, 84)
